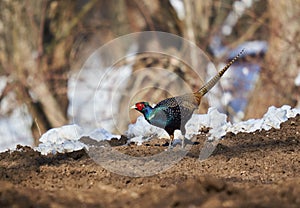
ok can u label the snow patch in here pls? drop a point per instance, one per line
(217, 123)
(272, 119)
(239, 8)
(102, 135)
(15, 120)
(3, 83)
(97, 89)
(142, 131)
(297, 80)
(214, 120)
(62, 139)
(66, 138)
(179, 8)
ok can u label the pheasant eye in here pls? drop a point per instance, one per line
(140, 106)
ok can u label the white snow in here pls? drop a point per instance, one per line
(297, 80)
(272, 119)
(66, 138)
(3, 83)
(239, 7)
(15, 129)
(245, 70)
(238, 10)
(62, 139)
(101, 135)
(92, 89)
(213, 119)
(142, 131)
(226, 98)
(248, 3)
(217, 122)
(15, 120)
(179, 8)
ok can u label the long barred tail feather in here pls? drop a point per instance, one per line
(212, 82)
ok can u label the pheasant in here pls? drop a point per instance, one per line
(173, 113)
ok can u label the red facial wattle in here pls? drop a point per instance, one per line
(139, 106)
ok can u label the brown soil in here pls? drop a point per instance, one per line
(260, 169)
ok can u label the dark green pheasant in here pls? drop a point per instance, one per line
(173, 113)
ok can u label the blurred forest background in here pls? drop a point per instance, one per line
(43, 41)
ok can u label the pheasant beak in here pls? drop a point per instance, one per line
(133, 107)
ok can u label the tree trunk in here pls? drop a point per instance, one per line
(276, 83)
(35, 41)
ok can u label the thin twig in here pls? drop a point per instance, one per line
(38, 126)
(42, 28)
(144, 11)
(30, 13)
(250, 32)
(74, 22)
